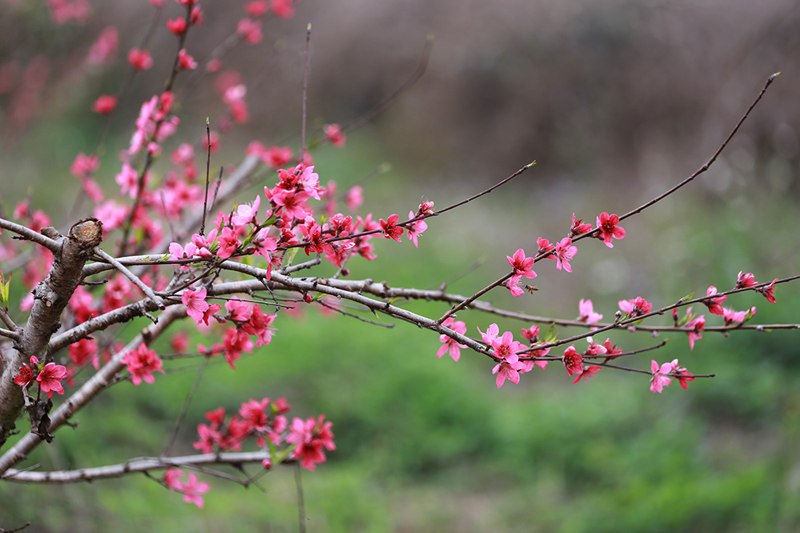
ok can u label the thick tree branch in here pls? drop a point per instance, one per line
(50, 298)
(142, 464)
(89, 390)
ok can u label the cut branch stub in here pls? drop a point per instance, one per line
(50, 298)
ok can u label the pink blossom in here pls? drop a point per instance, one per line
(140, 59)
(104, 104)
(239, 311)
(128, 180)
(513, 286)
(769, 291)
(104, 47)
(415, 229)
(277, 156)
(578, 227)
(172, 479)
(257, 8)
(586, 373)
(507, 369)
(354, 198)
(292, 201)
(246, 213)
(737, 317)
(50, 377)
(334, 134)
(250, 30)
(193, 491)
(195, 302)
(607, 225)
(180, 252)
(490, 335)
(531, 334)
(84, 165)
(660, 377)
(745, 280)
(573, 361)
(714, 303)
(564, 252)
(282, 8)
(177, 26)
(185, 61)
(310, 438)
(111, 214)
(697, 325)
(586, 312)
(544, 247)
(228, 243)
(635, 307)
(83, 351)
(142, 363)
(449, 344)
(390, 228)
(27, 373)
(505, 346)
(522, 265)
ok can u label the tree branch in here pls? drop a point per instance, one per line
(50, 298)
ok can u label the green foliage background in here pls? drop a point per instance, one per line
(432, 445)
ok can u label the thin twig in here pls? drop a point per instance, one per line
(208, 176)
(306, 75)
(133, 278)
(185, 408)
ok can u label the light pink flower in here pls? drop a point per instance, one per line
(449, 344)
(193, 491)
(635, 307)
(564, 252)
(415, 229)
(660, 377)
(246, 213)
(195, 302)
(586, 312)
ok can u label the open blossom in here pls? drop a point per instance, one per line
(523, 266)
(573, 361)
(50, 377)
(195, 302)
(697, 324)
(490, 334)
(451, 345)
(84, 165)
(415, 229)
(586, 312)
(142, 363)
(607, 224)
(246, 213)
(544, 247)
(390, 228)
(714, 302)
(513, 285)
(635, 307)
(27, 372)
(334, 134)
(508, 369)
(683, 375)
(660, 378)
(564, 252)
(311, 438)
(193, 491)
(737, 317)
(228, 243)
